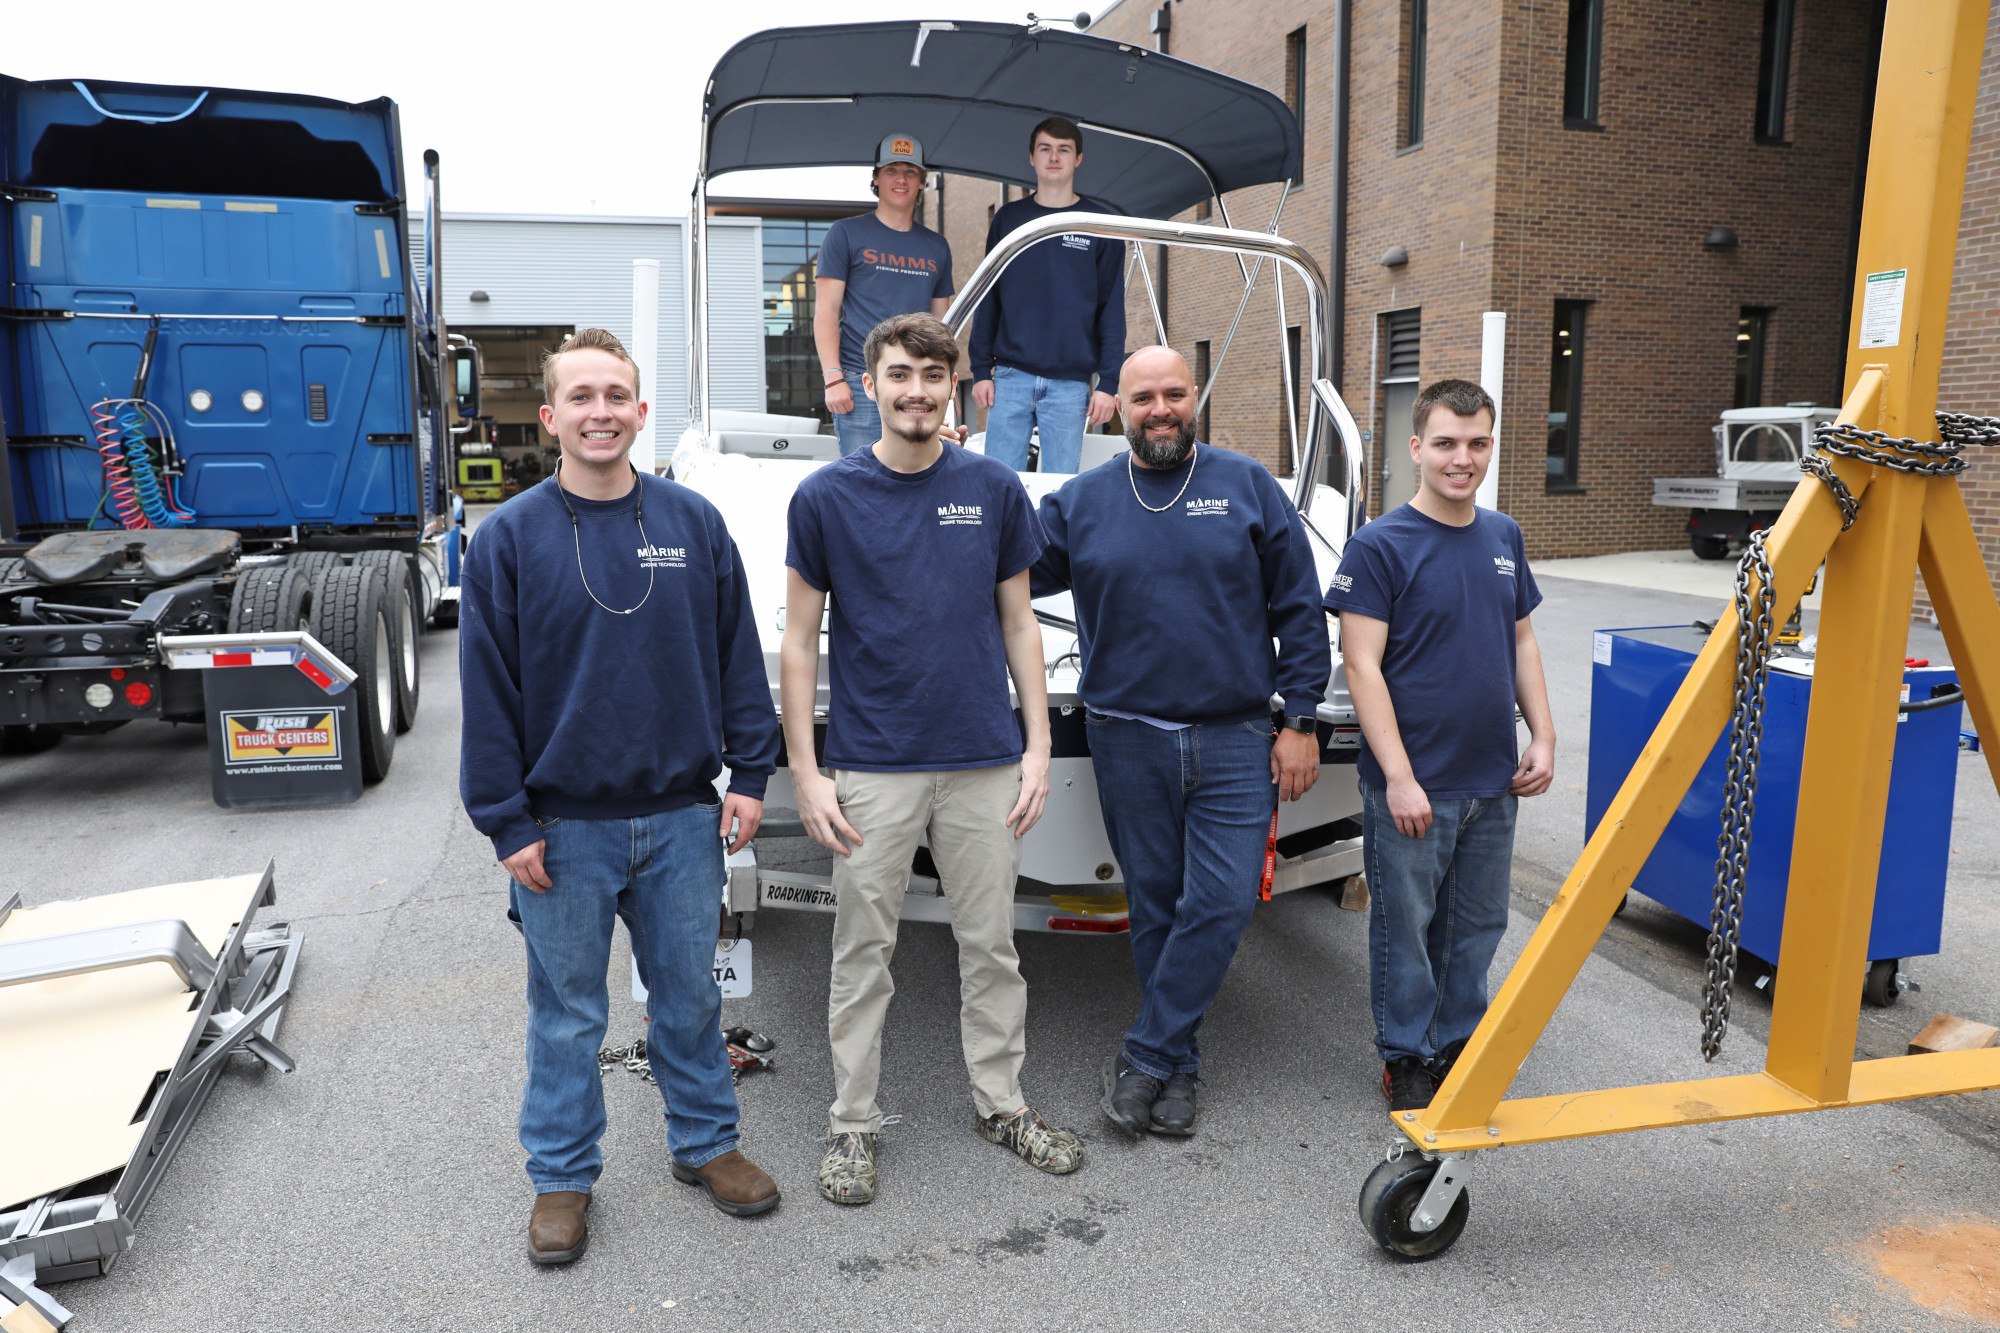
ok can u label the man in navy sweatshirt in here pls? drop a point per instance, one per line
(610, 670)
(1186, 562)
(926, 549)
(1056, 318)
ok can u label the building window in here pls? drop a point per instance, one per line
(1295, 81)
(1751, 327)
(1201, 370)
(1566, 395)
(1402, 354)
(792, 378)
(1415, 44)
(1582, 57)
(1774, 69)
(1204, 209)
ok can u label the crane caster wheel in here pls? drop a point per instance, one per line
(1388, 1199)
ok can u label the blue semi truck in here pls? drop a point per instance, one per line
(226, 403)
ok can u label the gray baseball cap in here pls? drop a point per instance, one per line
(900, 148)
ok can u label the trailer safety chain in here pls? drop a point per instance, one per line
(1940, 458)
(1739, 792)
(747, 1050)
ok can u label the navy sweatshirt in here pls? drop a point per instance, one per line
(1059, 309)
(1176, 611)
(573, 711)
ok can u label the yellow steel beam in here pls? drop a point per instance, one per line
(1909, 235)
(1581, 1115)
(1955, 576)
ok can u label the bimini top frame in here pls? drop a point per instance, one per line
(1163, 134)
(1324, 410)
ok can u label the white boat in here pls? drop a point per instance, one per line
(827, 96)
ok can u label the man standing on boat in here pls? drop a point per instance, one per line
(606, 684)
(926, 550)
(1434, 600)
(873, 267)
(1056, 318)
(1186, 562)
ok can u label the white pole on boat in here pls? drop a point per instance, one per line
(1492, 363)
(646, 351)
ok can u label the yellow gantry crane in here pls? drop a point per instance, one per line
(1902, 499)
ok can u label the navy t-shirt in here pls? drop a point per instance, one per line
(887, 272)
(1451, 597)
(919, 669)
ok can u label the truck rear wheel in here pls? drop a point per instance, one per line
(1709, 548)
(267, 598)
(350, 616)
(29, 739)
(405, 625)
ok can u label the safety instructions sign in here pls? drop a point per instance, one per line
(1882, 308)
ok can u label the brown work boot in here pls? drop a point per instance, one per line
(734, 1184)
(556, 1230)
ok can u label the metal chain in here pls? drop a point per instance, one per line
(1941, 458)
(1739, 791)
(1850, 508)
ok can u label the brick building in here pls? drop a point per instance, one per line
(1661, 199)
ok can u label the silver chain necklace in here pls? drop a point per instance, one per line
(1194, 456)
(576, 538)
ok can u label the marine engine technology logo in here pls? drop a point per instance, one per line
(1504, 565)
(964, 516)
(269, 738)
(1197, 508)
(662, 557)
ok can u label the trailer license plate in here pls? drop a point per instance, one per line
(732, 972)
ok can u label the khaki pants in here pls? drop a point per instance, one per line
(978, 858)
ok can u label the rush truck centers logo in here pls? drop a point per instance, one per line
(268, 738)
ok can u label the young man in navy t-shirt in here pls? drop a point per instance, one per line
(925, 548)
(1056, 318)
(873, 267)
(1434, 599)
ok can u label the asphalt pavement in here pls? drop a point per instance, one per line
(379, 1186)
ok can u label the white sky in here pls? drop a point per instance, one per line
(558, 107)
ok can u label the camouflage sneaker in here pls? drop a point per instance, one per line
(847, 1172)
(1034, 1141)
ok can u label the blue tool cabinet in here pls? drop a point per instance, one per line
(1634, 675)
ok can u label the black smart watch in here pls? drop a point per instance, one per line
(1307, 724)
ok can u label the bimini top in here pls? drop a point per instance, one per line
(1160, 134)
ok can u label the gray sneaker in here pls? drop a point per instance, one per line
(847, 1172)
(1034, 1140)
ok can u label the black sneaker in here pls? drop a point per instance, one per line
(1129, 1096)
(1442, 1062)
(1408, 1083)
(1173, 1109)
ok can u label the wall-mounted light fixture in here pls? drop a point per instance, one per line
(1394, 257)
(479, 296)
(1719, 238)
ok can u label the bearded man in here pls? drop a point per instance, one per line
(1187, 562)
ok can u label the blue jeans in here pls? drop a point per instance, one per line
(1188, 813)
(662, 876)
(861, 427)
(1437, 907)
(1057, 408)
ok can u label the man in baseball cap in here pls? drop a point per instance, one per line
(873, 268)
